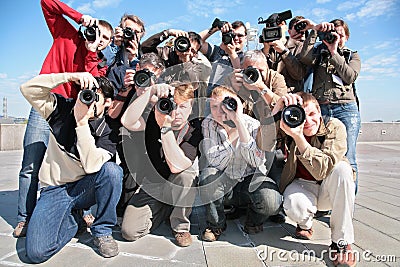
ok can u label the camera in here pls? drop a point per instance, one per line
(250, 74)
(217, 23)
(88, 96)
(300, 26)
(90, 33)
(293, 115)
(327, 36)
(166, 105)
(272, 31)
(142, 78)
(228, 37)
(182, 44)
(129, 34)
(230, 103)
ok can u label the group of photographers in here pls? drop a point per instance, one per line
(258, 144)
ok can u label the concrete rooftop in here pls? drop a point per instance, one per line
(376, 223)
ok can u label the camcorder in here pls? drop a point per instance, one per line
(250, 74)
(90, 33)
(272, 30)
(143, 78)
(166, 105)
(182, 44)
(293, 115)
(327, 36)
(230, 103)
(88, 96)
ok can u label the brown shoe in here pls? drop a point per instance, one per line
(305, 234)
(342, 256)
(252, 230)
(211, 235)
(183, 239)
(20, 229)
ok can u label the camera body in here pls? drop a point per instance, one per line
(90, 33)
(327, 36)
(298, 27)
(272, 30)
(250, 74)
(143, 78)
(166, 105)
(88, 96)
(228, 37)
(230, 103)
(129, 34)
(217, 23)
(182, 44)
(293, 115)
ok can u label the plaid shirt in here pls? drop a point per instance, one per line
(237, 161)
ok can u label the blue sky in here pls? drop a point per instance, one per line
(373, 26)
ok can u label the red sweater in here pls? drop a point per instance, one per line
(68, 52)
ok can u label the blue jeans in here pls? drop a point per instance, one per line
(349, 115)
(262, 200)
(52, 224)
(35, 144)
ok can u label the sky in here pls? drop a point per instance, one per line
(373, 24)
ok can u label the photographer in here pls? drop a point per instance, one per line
(75, 173)
(317, 175)
(168, 175)
(335, 70)
(70, 52)
(128, 143)
(232, 159)
(228, 54)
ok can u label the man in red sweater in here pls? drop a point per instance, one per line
(70, 52)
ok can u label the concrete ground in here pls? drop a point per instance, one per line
(376, 225)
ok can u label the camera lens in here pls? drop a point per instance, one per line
(142, 78)
(87, 96)
(182, 44)
(230, 103)
(165, 105)
(300, 26)
(227, 38)
(250, 75)
(129, 34)
(293, 115)
(90, 34)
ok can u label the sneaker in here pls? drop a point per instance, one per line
(107, 246)
(183, 239)
(20, 229)
(343, 256)
(252, 230)
(304, 233)
(89, 219)
(211, 235)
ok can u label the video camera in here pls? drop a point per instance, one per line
(272, 30)
(166, 105)
(88, 96)
(142, 78)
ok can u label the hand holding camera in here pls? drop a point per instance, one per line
(292, 114)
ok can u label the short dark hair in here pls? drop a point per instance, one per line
(106, 87)
(238, 23)
(294, 21)
(193, 36)
(106, 25)
(152, 59)
(133, 18)
(340, 22)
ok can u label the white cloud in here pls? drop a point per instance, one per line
(321, 14)
(86, 9)
(219, 11)
(322, 1)
(345, 6)
(211, 8)
(158, 27)
(105, 3)
(3, 75)
(374, 9)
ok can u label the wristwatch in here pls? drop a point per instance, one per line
(165, 130)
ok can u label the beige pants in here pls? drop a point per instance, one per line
(302, 199)
(154, 203)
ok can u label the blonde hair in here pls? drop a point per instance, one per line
(221, 90)
(184, 91)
